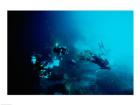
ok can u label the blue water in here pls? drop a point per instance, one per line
(84, 30)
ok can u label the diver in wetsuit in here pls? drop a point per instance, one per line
(103, 63)
(39, 66)
(36, 63)
(60, 50)
(87, 55)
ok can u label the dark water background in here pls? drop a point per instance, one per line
(78, 30)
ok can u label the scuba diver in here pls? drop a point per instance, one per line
(43, 67)
(37, 65)
(103, 63)
(36, 61)
(87, 55)
(60, 50)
